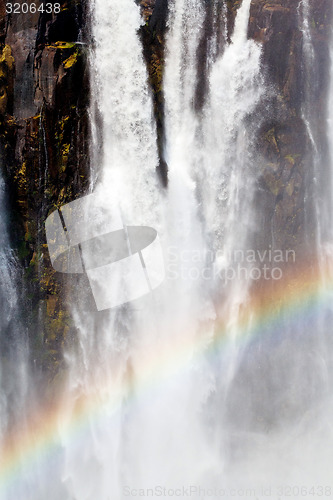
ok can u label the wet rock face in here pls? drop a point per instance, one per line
(64, 28)
(276, 24)
(3, 24)
(299, 89)
(44, 152)
(7, 69)
(159, 13)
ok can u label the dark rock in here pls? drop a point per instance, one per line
(158, 19)
(44, 150)
(64, 28)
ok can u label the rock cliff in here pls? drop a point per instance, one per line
(44, 151)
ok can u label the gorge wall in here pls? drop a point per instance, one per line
(44, 130)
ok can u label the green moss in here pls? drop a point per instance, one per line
(271, 138)
(23, 251)
(292, 159)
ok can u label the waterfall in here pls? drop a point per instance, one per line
(210, 166)
(317, 185)
(330, 115)
(173, 392)
(148, 438)
(318, 199)
(8, 303)
(309, 75)
(15, 389)
(110, 345)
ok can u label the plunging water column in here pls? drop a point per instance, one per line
(147, 358)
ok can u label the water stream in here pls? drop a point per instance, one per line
(177, 391)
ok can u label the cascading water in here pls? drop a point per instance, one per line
(236, 87)
(158, 441)
(8, 303)
(174, 390)
(182, 431)
(279, 404)
(103, 361)
(15, 390)
(310, 79)
(211, 172)
(330, 114)
(144, 442)
(318, 189)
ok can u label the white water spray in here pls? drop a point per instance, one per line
(163, 440)
(15, 389)
(146, 405)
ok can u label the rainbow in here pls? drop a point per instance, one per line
(304, 291)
